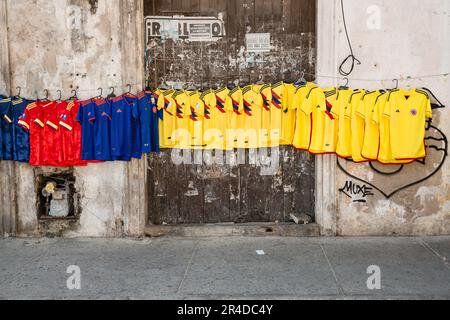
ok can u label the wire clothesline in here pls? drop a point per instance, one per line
(400, 79)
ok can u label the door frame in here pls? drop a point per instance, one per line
(136, 195)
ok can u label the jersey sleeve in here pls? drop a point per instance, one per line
(386, 108)
(378, 111)
(25, 119)
(429, 110)
(66, 119)
(361, 108)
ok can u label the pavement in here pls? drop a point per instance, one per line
(225, 268)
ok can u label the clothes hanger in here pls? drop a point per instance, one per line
(396, 81)
(112, 95)
(19, 90)
(302, 81)
(128, 93)
(74, 95)
(60, 96)
(46, 95)
(260, 80)
(100, 96)
(345, 86)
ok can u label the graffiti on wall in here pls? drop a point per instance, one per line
(390, 180)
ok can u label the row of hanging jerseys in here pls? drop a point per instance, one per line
(385, 126)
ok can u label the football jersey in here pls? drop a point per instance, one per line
(357, 126)
(408, 112)
(182, 134)
(101, 119)
(167, 123)
(121, 129)
(288, 115)
(196, 115)
(253, 108)
(21, 137)
(303, 123)
(279, 99)
(237, 120)
(146, 110)
(371, 140)
(71, 131)
(33, 121)
(266, 94)
(215, 121)
(324, 127)
(385, 150)
(85, 117)
(225, 106)
(136, 140)
(52, 144)
(6, 129)
(341, 110)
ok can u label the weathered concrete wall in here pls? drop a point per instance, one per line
(394, 39)
(65, 44)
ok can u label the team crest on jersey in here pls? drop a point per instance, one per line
(414, 112)
(119, 111)
(64, 117)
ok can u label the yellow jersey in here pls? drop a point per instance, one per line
(167, 124)
(385, 150)
(214, 121)
(303, 122)
(371, 139)
(253, 111)
(266, 94)
(288, 115)
(225, 107)
(316, 107)
(279, 101)
(341, 110)
(237, 120)
(408, 112)
(197, 113)
(182, 134)
(357, 126)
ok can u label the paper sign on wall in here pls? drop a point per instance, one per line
(181, 27)
(258, 42)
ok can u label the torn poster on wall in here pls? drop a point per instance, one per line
(186, 28)
(257, 42)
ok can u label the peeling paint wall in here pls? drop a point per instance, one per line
(395, 39)
(66, 44)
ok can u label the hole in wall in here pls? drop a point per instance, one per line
(57, 197)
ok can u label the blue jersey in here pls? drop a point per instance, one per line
(147, 113)
(86, 116)
(136, 135)
(102, 124)
(21, 137)
(6, 129)
(121, 131)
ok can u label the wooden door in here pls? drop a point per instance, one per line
(199, 193)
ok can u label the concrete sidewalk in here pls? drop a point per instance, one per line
(222, 268)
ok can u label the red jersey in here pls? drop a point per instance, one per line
(70, 131)
(33, 121)
(51, 143)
